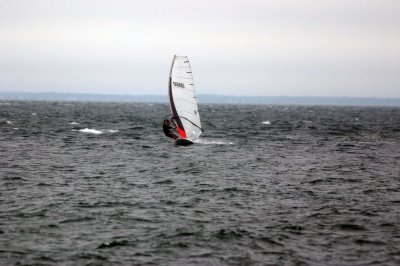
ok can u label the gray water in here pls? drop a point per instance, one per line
(99, 184)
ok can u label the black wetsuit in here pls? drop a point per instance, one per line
(168, 131)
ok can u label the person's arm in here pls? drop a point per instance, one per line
(173, 123)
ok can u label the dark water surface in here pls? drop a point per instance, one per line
(99, 184)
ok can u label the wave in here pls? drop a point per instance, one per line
(91, 131)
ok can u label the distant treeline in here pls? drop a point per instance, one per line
(203, 98)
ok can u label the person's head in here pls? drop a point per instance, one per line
(166, 122)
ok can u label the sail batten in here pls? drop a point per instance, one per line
(182, 98)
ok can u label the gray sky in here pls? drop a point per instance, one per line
(248, 47)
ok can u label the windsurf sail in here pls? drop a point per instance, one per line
(182, 99)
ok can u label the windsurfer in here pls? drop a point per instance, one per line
(169, 129)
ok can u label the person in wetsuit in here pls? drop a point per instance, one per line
(168, 129)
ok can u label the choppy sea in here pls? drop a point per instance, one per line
(99, 184)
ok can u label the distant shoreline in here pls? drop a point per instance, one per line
(203, 99)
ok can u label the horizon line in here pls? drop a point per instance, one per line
(204, 94)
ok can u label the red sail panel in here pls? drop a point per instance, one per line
(181, 132)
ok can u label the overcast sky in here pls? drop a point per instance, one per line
(248, 47)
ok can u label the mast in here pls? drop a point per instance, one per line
(175, 115)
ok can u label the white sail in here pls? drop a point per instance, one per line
(182, 99)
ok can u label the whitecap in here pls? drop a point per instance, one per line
(212, 142)
(112, 130)
(266, 122)
(74, 123)
(34, 114)
(91, 131)
(9, 122)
